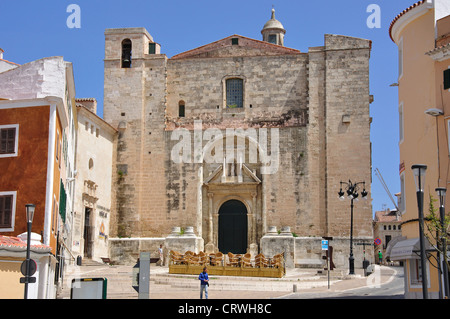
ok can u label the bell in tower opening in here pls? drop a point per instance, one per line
(126, 53)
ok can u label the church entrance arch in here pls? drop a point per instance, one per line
(233, 227)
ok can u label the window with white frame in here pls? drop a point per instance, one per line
(448, 132)
(447, 79)
(400, 58)
(401, 123)
(9, 140)
(401, 199)
(55, 215)
(7, 211)
(415, 273)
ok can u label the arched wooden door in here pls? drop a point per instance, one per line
(233, 227)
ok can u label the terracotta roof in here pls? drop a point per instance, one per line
(84, 108)
(89, 99)
(9, 62)
(16, 244)
(442, 47)
(385, 217)
(415, 5)
(269, 48)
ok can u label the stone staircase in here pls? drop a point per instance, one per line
(231, 283)
(120, 278)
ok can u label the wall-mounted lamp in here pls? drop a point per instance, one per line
(434, 112)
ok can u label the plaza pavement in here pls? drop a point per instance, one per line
(166, 286)
(381, 275)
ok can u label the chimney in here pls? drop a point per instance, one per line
(89, 103)
(1, 53)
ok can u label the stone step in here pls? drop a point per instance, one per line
(241, 283)
(283, 287)
(120, 279)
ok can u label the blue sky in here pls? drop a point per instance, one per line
(30, 30)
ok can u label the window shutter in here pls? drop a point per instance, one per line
(447, 79)
(7, 140)
(151, 48)
(181, 110)
(62, 202)
(6, 203)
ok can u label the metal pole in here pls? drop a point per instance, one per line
(328, 267)
(27, 276)
(439, 266)
(444, 248)
(351, 259)
(422, 245)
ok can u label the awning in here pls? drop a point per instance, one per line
(408, 249)
(391, 244)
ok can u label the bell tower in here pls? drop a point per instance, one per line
(135, 103)
(273, 31)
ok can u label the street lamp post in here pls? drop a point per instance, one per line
(352, 193)
(30, 214)
(441, 194)
(419, 178)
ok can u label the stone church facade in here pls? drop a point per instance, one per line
(238, 145)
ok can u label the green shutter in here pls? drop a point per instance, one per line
(152, 48)
(62, 202)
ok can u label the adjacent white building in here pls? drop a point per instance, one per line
(92, 182)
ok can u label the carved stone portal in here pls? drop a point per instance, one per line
(228, 183)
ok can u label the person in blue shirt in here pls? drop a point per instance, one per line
(204, 283)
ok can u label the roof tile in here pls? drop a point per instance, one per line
(16, 243)
(402, 14)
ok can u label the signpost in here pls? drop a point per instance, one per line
(141, 276)
(324, 244)
(23, 270)
(144, 275)
(377, 241)
(366, 263)
(325, 247)
(88, 288)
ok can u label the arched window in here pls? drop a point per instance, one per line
(181, 109)
(235, 93)
(126, 53)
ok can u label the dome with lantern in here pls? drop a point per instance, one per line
(273, 31)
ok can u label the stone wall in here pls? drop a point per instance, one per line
(306, 252)
(135, 103)
(348, 146)
(275, 88)
(93, 185)
(318, 102)
(36, 79)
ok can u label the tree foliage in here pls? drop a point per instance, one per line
(437, 231)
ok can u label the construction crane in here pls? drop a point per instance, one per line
(380, 177)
